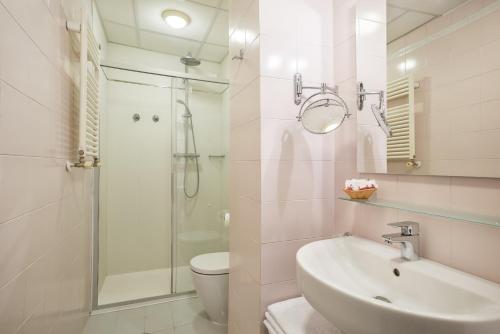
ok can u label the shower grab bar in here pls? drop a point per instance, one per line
(221, 156)
(186, 155)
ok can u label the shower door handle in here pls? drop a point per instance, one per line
(186, 155)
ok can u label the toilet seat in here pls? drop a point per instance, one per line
(211, 264)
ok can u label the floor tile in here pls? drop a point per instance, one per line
(185, 316)
(158, 318)
(101, 324)
(186, 311)
(130, 321)
(200, 325)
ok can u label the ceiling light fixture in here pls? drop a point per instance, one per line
(175, 19)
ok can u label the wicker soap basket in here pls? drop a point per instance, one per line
(360, 194)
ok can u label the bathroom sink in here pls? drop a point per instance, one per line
(363, 287)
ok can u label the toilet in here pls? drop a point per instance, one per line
(210, 274)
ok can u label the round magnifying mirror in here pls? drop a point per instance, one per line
(323, 116)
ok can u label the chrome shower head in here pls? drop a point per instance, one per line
(189, 60)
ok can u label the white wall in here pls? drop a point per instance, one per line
(44, 211)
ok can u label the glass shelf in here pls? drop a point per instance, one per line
(449, 214)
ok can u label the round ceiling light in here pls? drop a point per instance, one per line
(175, 19)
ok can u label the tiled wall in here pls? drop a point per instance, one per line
(282, 176)
(296, 166)
(468, 247)
(44, 211)
(457, 116)
(245, 174)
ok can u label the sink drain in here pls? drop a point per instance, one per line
(383, 299)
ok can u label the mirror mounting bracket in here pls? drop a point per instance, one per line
(362, 93)
(299, 88)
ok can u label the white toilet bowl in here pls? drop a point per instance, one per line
(211, 279)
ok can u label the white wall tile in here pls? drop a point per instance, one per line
(278, 56)
(287, 140)
(315, 24)
(374, 10)
(295, 180)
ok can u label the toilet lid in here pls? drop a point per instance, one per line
(211, 264)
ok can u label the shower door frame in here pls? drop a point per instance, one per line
(173, 216)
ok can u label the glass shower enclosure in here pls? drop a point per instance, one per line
(162, 185)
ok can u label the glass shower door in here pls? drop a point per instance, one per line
(135, 197)
(163, 183)
(200, 164)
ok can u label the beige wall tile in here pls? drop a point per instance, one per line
(465, 246)
(45, 212)
(245, 105)
(275, 292)
(480, 196)
(12, 298)
(475, 249)
(372, 222)
(489, 28)
(435, 240)
(278, 260)
(244, 306)
(291, 220)
(489, 88)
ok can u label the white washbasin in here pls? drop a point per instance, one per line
(341, 277)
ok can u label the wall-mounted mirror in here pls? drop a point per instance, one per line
(442, 83)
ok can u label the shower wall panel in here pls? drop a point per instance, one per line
(136, 173)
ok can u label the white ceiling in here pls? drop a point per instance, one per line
(138, 23)
(404, 16)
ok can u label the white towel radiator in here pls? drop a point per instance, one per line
(88, 109)
(401, 119)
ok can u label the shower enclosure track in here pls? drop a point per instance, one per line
(164, 73)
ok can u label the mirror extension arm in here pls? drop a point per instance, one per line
(380, 117)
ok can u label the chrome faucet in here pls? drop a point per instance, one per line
(409, 239)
